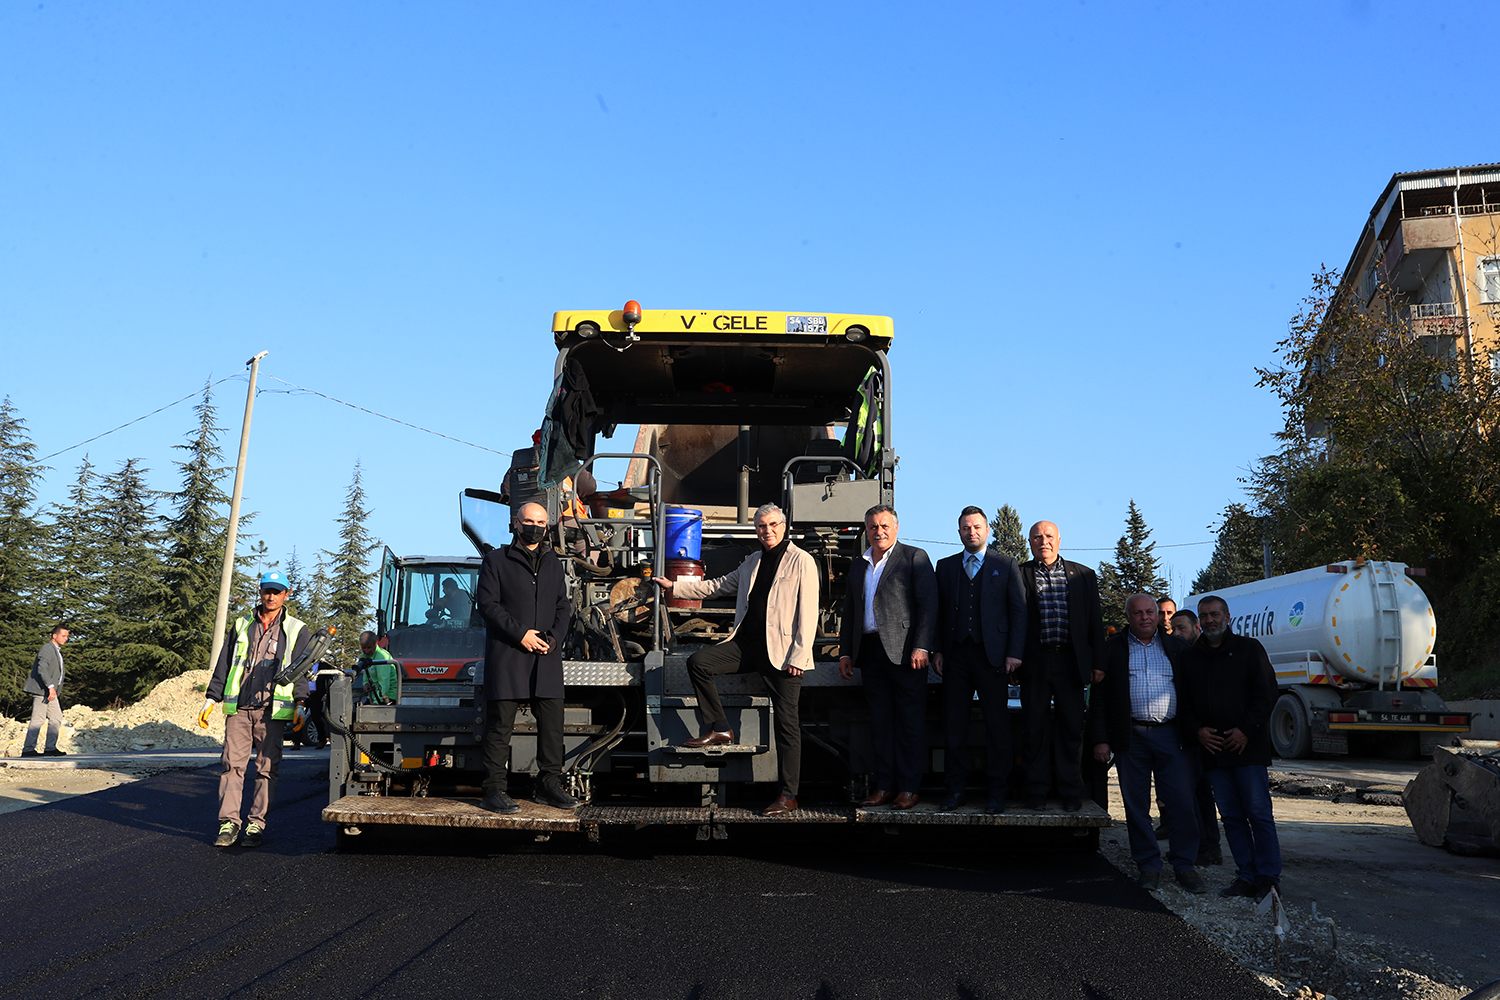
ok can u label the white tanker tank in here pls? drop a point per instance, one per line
(1351, 644)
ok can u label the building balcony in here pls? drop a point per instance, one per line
(1416, 247)
(1431, 310)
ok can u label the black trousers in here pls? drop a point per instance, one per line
(785, 690)
(500, 721)
(1052, 701)
(967, 671)
(1204, 806)
(898, 717)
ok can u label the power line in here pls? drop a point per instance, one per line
(136, 420)
(1111, 548)
(382, 416)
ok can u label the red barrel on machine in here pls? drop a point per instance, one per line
(683, 569)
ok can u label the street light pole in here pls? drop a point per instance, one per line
(226, 574)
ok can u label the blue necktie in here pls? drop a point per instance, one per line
(971, 564)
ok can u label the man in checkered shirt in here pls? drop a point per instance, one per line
(1135, 715)
(1064, 652)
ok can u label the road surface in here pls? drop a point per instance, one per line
(118, 894)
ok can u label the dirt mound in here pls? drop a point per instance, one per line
(167, 718)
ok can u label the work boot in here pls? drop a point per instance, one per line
(499, 802)
(1263, 887)
(1239, 887)
(1192, 881)
(252, 835)
(550, 792)
(228, 834)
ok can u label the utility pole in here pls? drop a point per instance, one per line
(226, 575)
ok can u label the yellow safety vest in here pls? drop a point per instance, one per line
(281, 694)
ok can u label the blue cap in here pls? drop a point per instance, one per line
(273, 581)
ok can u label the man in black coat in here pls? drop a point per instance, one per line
(1231, 689)
(1064, 653)
(523, 598)
(981, 635)
(1136, 714)
(890, 620)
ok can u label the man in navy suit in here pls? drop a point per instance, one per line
(890, 617)
(981, 634)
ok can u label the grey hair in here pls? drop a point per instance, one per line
(768, 508)
(1132, 598)
(882, 508)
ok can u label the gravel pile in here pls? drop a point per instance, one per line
(167, 718)
(1314, 959)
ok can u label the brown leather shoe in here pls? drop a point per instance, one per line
(712, 738)
(782, 806)
(904, 801)
(879, 798)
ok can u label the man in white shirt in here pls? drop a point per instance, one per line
(889, 627)
(1135, 716)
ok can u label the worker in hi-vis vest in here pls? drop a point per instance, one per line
(256, 709)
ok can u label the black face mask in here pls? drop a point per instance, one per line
(530, 534)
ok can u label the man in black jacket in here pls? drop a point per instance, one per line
(1064, 652)
(1231, 689)
(524, 600)
(981, 632)
(890, 617)
(1136, 714)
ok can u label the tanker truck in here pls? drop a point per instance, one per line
(1351, 643)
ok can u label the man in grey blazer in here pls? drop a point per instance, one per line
(45, 681)
(889, 626)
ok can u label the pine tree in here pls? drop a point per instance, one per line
(132, 591)
(1134, 570)
(70, 574)
(309, 592)
(22, 536)
(196, 533)
(1238, 554)
(260, 558)
(71, 578)
(1008, 537)
(296, 585)
(349, 576)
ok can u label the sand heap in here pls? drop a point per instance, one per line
(167, 718)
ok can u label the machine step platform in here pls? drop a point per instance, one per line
(464, 813)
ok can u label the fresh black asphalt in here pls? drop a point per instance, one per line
(120, 894)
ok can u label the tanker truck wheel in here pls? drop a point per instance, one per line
(1291, 733)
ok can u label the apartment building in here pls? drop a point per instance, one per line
(1433, 242)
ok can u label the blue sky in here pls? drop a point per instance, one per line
(1089, 221)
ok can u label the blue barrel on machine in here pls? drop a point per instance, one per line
(684, 533)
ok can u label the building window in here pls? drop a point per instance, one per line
(1489, 279)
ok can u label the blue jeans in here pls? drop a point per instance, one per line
(1244, 797)
(1157, 749)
